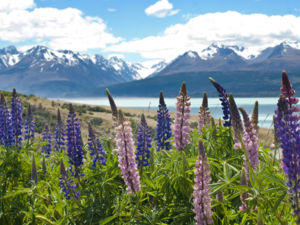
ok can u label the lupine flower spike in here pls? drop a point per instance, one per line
(288, 130)
(34, 175)
(66, 183)
(236, 122)
(204, 118)
(223, 96)
(114, 109)
(59, 134)
(202, 201)
(126, 155)
(16, 114)
(6, 129)
(29, 125)
(47, 137)
(254, 117)
(74, 143)
(182, 116)
(143, 143)
(251, 145)
(163, 129)
(96, 148)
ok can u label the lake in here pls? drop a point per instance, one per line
(267, 106)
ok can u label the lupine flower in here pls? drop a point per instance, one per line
(182, 116)
(114, 109)
(288, 130)
(243, 195)
(163, 129)
(202, 201)
(34, 175)
(66, 183)
(59, 134)
(251, 145)
(47, 137)
(96, 148)
(16, 114)
(236, 122)
(74, 144)
(126, 156)
(29, 125)
(143, 143)
(254, 117)
(6, 129)
(204, 118)
(223, 96)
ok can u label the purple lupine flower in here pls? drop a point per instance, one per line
(17, 120)
(204, 118)
(251, 145)
(202, 201)
(74, 143)
(66, 183)
(163, 129)
(126, 156)
(6, 130)
(288, 131)
(143, 143)
(47, 137)
(236, 122)
(96, 148)
(114, 109)
(59, 134)
(223, 96)
(182, 116)
(29, 125)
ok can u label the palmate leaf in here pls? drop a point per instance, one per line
(44, 219)
(108, 220)
(16, 193)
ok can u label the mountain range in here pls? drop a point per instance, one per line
(64, 73)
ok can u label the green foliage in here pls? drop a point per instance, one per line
(167, 186)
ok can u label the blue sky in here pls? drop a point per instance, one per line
(149, 29)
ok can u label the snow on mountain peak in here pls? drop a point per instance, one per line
(192, 54)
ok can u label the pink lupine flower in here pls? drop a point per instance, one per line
(204, 118)
(250, 141)
(126, 155)
(182, 116)
(202, 201)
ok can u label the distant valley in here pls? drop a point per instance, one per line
(63, 73)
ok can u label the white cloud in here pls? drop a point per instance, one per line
(253, 31)
(59, 28)
(111, 10)
(161, 9)
(10, 5)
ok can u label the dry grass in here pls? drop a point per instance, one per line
(265, 135)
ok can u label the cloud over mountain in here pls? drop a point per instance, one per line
(252, 31)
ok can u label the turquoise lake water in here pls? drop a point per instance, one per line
(267, 106)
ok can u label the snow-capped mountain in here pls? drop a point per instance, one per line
(41, 70)
(216, 57)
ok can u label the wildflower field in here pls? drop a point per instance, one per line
(217, 173)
